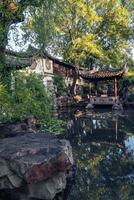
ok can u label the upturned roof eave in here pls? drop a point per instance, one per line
(107, 75)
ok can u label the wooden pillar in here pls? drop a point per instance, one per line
(116, 128)
(115, 87)
(96, 88)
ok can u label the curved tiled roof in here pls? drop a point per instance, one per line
(102, 74)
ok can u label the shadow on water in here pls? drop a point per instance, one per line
(103, 147)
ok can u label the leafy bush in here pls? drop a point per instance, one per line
(59, 82)
(127, 81)
(5, 103)
(28, 97)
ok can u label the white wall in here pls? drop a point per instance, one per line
(43, 66)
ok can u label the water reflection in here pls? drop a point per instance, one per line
(130, 143)
(103, 146)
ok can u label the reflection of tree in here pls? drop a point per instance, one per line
(127, 122)
(94, 128)
(105, 165)
(107, 175)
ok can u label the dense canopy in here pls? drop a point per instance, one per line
(83, 32)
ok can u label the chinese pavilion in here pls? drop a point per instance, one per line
(107, 78)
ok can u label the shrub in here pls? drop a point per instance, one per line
(59, 83)
(28, 97)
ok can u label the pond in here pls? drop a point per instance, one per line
(103, 149)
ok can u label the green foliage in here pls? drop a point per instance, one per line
(10, 12)
(59, 83)
(130, 63)
(28, 97)
(31, 97)
(80, 30)
(128, 81)
(40, 24)
(5, 103)
(76, 30)
(53, 125)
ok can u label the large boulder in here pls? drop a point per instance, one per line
(29, 124)
(38, 162)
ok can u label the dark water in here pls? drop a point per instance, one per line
(103, 148)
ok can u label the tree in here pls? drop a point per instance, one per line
(11, 12)
(93, 29)
(75, 31)
(114, 30)
(82, 32)
(29, 96)
(40, 24)
(92, 32)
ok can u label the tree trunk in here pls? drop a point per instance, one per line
(73, 85)
(2, 56)
(4, 71)
(75, 77)
(2, 61)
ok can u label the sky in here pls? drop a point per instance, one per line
(18, 33)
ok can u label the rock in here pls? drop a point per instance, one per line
(89, 106)
(17, 128)
(11, 130)
(117, 106)
(48, 189)
(38, 161)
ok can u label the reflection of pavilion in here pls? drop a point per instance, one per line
(98, 129)
(103, 134)
(109, 94)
